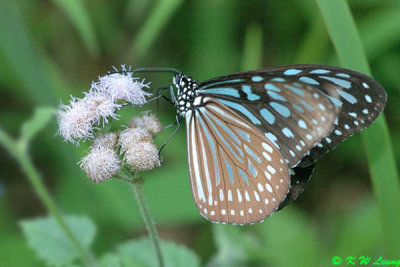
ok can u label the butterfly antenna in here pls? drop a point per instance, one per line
(138, 70)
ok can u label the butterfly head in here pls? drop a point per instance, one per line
(186, 94)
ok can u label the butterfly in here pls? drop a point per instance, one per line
(253, 137)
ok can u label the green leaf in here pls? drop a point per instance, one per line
(20, 55)
(252, 47)
(378, 144)
(231, 244)
(158, 18)
(41, 117)
(109, 260)
(79, 16)
(355, 236)
(48, 240)
(290, 237)
(140, 252)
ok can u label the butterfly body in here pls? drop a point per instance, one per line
(245, 131)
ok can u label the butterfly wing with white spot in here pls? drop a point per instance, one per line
(291, 114)
(237, 175)
(358, 100)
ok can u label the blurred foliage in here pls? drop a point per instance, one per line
(51, 49)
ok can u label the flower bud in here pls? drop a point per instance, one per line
(149, 123)
(106, 140)
(128, 138)
(142, 156)
(100, 164)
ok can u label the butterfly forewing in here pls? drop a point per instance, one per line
(357, 98)
(237, 175)
(291, 114)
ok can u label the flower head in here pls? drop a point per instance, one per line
(76, 120)
(106, 140)
(100, 164)
(129, 138)
(122, 86)
(142, 156)
(147, 122)
(102, 106)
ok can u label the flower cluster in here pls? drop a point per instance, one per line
(137, 143)
(136, 149)
(111, 151)
(79, 119)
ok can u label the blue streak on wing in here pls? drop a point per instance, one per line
(252, 169)
(244, 176)
(229, 169)
(220, 136)
(252, 154)
(267, 115)
(242, 110)
(308, 80)
(350, 98)
(271, 137)
(344, 75)
(257, 78)
(306, 105)
(221, 91)
(238, 149)
(281, 109)
(292, 71)
(278, 79)
(250, 95)
(340, 82)
(319, 71)
(298, 108)
(335, 101)
(276, 96)
(246, 136)
(270, 86)
(212, 147)
(295, 90)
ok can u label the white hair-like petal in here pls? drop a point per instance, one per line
(123, 87)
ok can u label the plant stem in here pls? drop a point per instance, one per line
(33, 175)
(136, 183)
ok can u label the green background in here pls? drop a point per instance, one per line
(51, 49)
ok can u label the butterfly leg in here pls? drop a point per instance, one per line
(298, 181)
(178, 123)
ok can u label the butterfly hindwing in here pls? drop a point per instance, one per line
(237, 175)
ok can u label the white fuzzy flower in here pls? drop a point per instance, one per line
(102, 105)
(128, 138)
(147, 122)
(142, 156)
(100, 164)
(107, 140)
(122, 86)
(76, 120)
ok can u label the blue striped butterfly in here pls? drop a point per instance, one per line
(253, 137)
